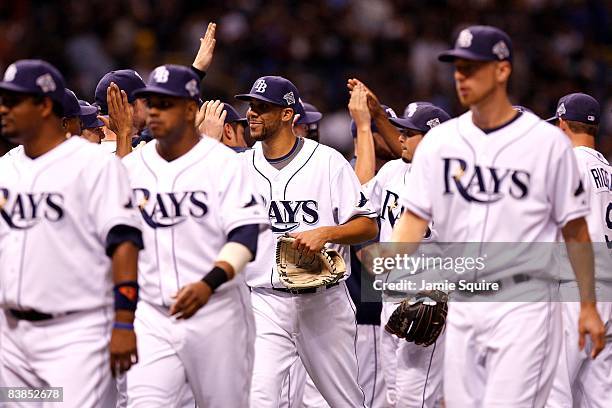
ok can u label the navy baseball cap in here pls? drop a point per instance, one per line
(72, 107)
(390, 114)
(421, 117)
(171, 80)
(411, 107)
(126, 79)
(275, 90)
(311, 114)
(578, 107)
(480, 43)
(89, 119)
(36, 77)
(232, 115)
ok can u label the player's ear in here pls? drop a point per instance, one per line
(228, 131)
(504, 69)
(191, 111)
(287, 115)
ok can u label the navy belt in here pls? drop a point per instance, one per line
(33, 315)
(305, 291)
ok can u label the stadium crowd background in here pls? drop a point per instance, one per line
(561, 46)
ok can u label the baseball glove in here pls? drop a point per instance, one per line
(300, 271)
(420, 319)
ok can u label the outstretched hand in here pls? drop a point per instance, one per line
(358, 106)
(373, 102)
(211, 119)
(204, 56)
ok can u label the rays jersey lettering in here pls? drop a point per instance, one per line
(391, 209)
(163, 210)
(286, 216)
(25, 210)
(482, 184)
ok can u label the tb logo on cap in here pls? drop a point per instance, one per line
(411, 109)
(161, 74)
(465, 39)
(260, 86)
(9, 74)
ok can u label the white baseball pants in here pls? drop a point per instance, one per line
(579, 380)
(211, 352)
(69, 351)
(318, 328)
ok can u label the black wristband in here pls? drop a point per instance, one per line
(201, 74)
(215, 278)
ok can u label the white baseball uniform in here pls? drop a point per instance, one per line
(412, 373)
(579, 380)
(496, 187)
(299, 389)
(317, 188)
(56, 212)
(189, 206)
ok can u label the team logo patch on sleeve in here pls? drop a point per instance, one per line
(363, 200)
(579, 190)
(251, 203)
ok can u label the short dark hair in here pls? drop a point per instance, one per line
(58, 108)
(579, 127)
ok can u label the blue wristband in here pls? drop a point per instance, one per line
(123, 326)
(126, 295)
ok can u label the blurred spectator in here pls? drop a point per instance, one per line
(562, 46)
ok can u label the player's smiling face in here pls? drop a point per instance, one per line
(475, 80)
(409, 140)
(265, 119)
(169, 116)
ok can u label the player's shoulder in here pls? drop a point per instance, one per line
(393, 166)
(89, 153)
(588, 156)
(323, 153)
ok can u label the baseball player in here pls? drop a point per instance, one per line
(233, 130)
(91, 124)
(311, 193)
(413, 374)
(67, 233)
(123, 115)
(480, 179)
(580, 381)
(308, 126)
(201, 222)
(73, 111)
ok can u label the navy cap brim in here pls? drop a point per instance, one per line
(406, 123)
(9, 86)
(309, 117)
(248, 97)
(452, 55)
(95, 124)
(87, 110)
(157, 90)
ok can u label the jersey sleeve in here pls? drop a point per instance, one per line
(418, 198)
(239, 204)
(373, 191)
(566, 191)
(110, 202)
(348, 198)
